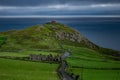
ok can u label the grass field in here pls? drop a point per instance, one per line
(91, 65)
(23, 70)
(26, 53)
(94, 74)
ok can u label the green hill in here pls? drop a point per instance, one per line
(46, 36)
(50, 36)
(54, 38)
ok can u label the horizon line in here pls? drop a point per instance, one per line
(63, 16)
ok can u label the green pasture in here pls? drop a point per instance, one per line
(26, 53)
(83, 52)
(24, 70)
(91, 65)
(94, 74)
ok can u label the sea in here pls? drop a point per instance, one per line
(103, 31)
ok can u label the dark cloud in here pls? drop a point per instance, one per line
(59, 7)
(46, 2)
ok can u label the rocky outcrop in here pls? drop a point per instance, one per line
(73, 36)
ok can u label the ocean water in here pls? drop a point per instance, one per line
(104, 32)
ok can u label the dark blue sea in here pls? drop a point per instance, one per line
(104, 32)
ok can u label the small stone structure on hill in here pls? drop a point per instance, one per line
(53, 21)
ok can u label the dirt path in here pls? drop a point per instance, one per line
(63, 67)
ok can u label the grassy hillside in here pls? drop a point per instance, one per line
(90, 64)
(48, 36)
(23, 70)
(87, 60)
(34, 37)
(44, 36)
(2, 40)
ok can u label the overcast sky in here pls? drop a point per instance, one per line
(59, 7)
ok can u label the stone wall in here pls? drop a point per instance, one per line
(40, 57)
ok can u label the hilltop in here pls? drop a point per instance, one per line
(50, 36)
(44, 36)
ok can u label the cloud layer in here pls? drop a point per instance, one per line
(59, 7)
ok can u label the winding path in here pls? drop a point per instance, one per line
(63, 67)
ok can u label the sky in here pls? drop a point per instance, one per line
(59, 7)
